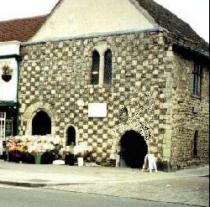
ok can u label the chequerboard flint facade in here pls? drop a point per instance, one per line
(88, 74)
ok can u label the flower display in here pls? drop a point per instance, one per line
(44, 149)
(32, 144)
(82, 150)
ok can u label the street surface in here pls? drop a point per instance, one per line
(101, 186)
(28, 197)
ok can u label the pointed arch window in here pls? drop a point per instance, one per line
(108, 67)
(95, 68)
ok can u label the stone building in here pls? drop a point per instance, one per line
(123, 76)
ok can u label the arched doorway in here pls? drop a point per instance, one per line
(71, 136)
(41, 124)
(133, 149)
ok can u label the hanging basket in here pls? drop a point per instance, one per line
(6, 78)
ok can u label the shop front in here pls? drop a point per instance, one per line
(9, 64)
(8, 124)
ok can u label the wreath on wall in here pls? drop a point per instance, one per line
(6, 73)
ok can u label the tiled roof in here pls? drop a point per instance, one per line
(20, 29)
(176, 26)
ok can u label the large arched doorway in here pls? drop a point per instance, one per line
(41, 124)
(71, 136)
(133, 149)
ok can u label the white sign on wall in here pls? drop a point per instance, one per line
(97, 110)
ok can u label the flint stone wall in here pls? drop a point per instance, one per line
(56, 76)
(186, 120)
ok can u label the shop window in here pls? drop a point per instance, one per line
(95, 68)
(108, 67)
(2, 124)
(197, 80)
(9, 127)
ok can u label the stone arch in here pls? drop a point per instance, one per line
(117, 132)
(41, 124)
(31, 112)
(133, 149)
(66, 134)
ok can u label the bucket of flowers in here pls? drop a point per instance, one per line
(68, 154)
(6, 73)
(14, 149)
(81, 152)
(40, 147)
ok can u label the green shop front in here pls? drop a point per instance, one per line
(8, 119)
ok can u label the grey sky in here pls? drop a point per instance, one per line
(195, 12)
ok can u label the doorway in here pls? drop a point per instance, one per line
(41, 124)
(133, 149)
(71, 136)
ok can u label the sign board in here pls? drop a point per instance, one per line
(97, 110)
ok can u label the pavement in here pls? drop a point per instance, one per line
(190, 186)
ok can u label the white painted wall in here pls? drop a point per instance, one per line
(84, 17)
(9, 48)
(8, 90)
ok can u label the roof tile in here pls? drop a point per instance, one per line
(20, 29)
(174, 25)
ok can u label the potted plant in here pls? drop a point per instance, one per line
(81, 152)
(69, 155)
(6, 73)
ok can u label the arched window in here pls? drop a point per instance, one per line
(195, 145)
(95, 68)
(108, 67)
(71, 136)
(41, 124)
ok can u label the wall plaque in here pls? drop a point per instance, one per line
(97, 110)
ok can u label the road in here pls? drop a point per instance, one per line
(27, 197)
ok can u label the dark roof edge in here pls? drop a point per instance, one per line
(179, 42)
(8, 104)
(95, 35)
(173, 40)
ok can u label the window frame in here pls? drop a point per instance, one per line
(95, 70)
(108, 67)
(103, 79)
(197, 80)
